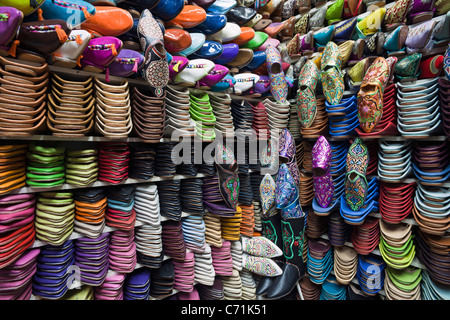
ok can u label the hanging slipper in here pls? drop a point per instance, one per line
(356, 183)
(227, 171)
(286, 190)
(260, 247)
(306, 94)
(286, 153)
(370, 95)
(278, 84)
(267, 193)
(331, 74)
(156, 67)
(322, 180)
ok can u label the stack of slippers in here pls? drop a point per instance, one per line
(418, 108)
(90, 211)
(221, 107)
(114, 159)
(388, 121)
(191, 196)
(213, 235)
(248, 285)
(316, 225)
(310, 290)
(23, 97)
(137, 285)
(366, 237)
(178, 121)
(278, 114)
(394, 160)
(113, 110)
(222, 261)
(320, 260)
(92, 258)
(165, 166)
(55, 216)
(294, 125)
(188, 168)
(169, 199)
(345, 264)
(122, 251)
(242, 113)
(333, 290)
(81, 167)
(260, 121)
(51, 279)
(306, 190)
(370, 274)
(343, 117)
(12, 167)
(444, 97)
(247, 226)
(173, 241)
(203, 269)
(236, 255)
(17, 230)
(232, 286)
(214, 292)
(184, 273)
(148, 115)
(320, 125)
(430, 290)
(231, 227)
(45, 166)
(71, 107)
(146, 204)
(431, 209)
(396, 201)
(397, 244)
(17, 278)
(120, 211)
(403, 284)
(111, 288)
(339, 150)
(149, 248)
(433, 252)
(162, 280)
(372, 166)
(142, 161)
(202, 115)
(339, 232)
(194, 233)
(431, 162)
(307, 155)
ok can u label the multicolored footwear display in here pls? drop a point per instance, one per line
(224, 149)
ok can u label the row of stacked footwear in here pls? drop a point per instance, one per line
(275, 236)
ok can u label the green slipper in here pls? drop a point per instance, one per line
(257, 41)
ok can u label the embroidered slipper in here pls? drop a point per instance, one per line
(260, 247)
(356, 183)
(322, 180)
(370, 95)
(331, 74)
(306, 94)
